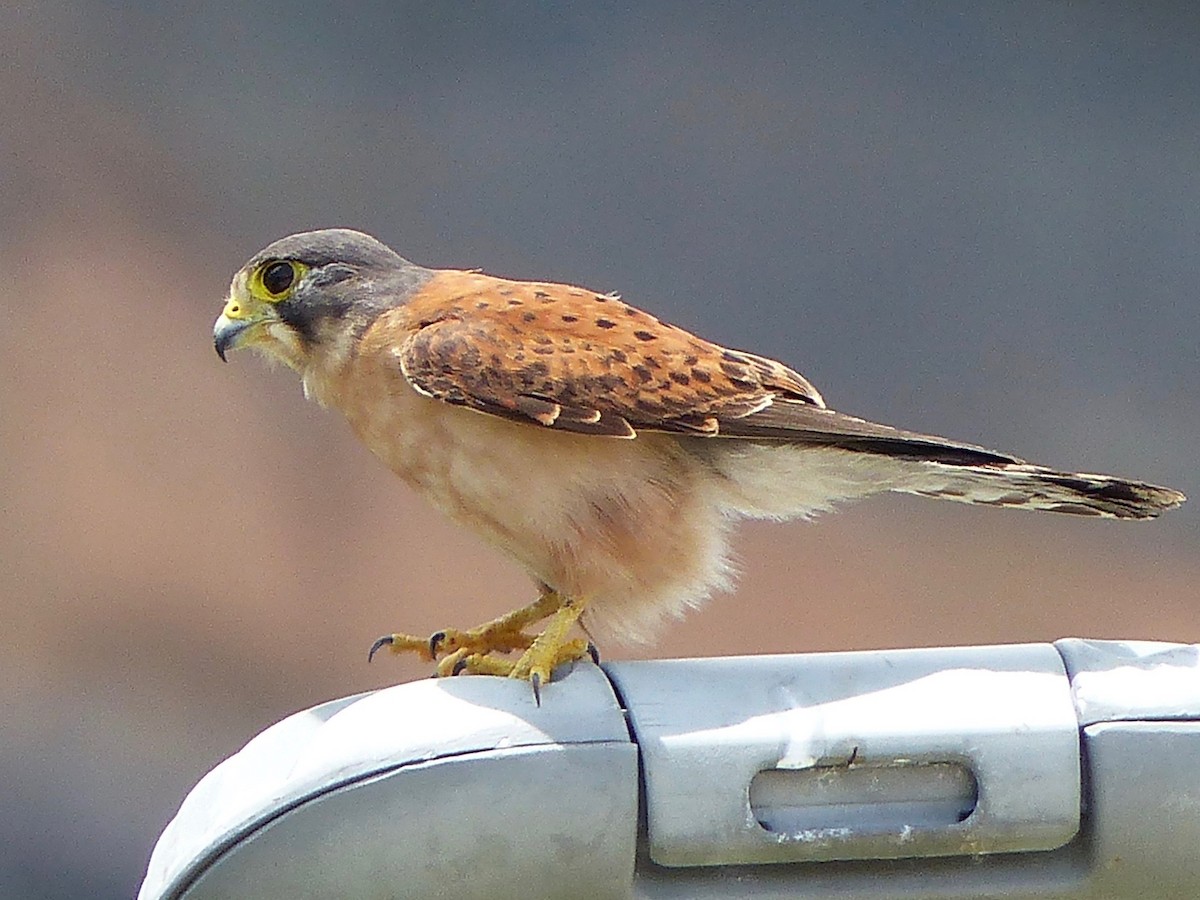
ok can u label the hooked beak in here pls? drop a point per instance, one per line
(249, 322)
(240, 313)
(227, 334)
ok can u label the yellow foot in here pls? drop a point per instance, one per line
(403, 643)
(501, 635)
(471, 650)
(537, 673)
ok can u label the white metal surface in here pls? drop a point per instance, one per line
(370, 786)
(881, 747)
(1115, 680)
(465, 789)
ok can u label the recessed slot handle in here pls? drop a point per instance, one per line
(865, 799)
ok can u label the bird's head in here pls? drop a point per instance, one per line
(306, 293)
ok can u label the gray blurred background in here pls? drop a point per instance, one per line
(974, 219)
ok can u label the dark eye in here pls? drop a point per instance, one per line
(278, 277)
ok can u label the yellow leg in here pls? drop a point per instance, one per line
(500, 635)
(551, 647)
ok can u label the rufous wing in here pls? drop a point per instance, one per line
(572, 359)
(581, 361)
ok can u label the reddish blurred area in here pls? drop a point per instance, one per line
(192, 551)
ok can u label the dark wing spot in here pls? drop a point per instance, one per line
(529, 317)
(470, 358)
(644, 336)
(735, 372)
(680, 378)
(482, 304)
(618, 356)
(605, 323)
(569, 318)
(643, 374)
(702, 376)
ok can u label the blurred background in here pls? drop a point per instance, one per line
(978, 220)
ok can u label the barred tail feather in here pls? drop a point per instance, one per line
(1021, 486)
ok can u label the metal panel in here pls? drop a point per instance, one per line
(553, 822)
(1144, 803)
(317, 756)
(465, 789)
(1117, 680)
(886, 751)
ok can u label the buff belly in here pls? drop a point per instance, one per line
(635, 527)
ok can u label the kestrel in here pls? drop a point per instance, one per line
(604, 450)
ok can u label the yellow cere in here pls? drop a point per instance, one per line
(234, 308)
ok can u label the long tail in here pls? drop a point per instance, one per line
(795, 458)
(1022, 486)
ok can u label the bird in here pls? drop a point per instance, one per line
(607, 452)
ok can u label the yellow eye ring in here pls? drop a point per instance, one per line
(278, 277)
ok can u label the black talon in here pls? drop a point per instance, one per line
(385, 641)
(434, 640)
(459, 666)
(593, 652)
(536, 680)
